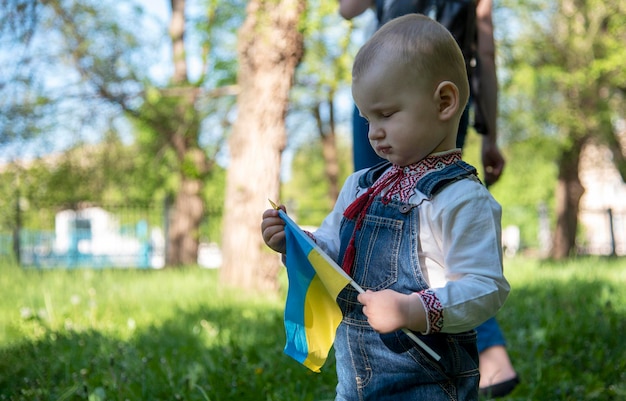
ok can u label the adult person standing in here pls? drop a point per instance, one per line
(471, 24)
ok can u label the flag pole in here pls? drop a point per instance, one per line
(358, 288)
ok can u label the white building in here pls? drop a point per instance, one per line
(602, 212)
(93, 235)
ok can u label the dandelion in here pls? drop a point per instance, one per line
(26, 313)
(75, 300)
(209, 328)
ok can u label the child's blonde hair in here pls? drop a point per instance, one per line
(422, 47)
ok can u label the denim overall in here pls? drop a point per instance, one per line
(373, 366)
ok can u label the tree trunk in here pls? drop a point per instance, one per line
(184, 224)
(331, 165)
(186, 217)
(329, 148)
(269, 48)
(569, 190)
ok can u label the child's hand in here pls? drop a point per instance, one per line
(388, 311)
(273, 229)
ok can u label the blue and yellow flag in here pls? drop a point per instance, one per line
(311, 311)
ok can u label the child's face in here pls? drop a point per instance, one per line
(403, 116)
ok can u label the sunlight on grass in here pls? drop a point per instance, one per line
(563, 322)
(139, 335)
(532, 271)
(178, 334)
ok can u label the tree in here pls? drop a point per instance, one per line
(306, 192)
(566, 68)
(324, 71)
(21, 102)
(109, 61)
(269, 48)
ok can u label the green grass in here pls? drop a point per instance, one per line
(143, 335)
(176, 334)
(565, 324)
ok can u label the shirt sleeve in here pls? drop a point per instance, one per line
(327, 235)
(463, 238)
(434, 311)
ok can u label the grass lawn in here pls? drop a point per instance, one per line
(176, 334)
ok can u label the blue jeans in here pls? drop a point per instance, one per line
(371, 366)
(489, 335)
(363, 154)
(391, 367)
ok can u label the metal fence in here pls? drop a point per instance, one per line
(92, 236)
(134, 236)
(603, 232)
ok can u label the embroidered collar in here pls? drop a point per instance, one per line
(401, 181)
(402, 188)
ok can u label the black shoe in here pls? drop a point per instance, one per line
(499, 389)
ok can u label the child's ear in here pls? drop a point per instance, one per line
(447, 97)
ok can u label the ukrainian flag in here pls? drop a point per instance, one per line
(311, 312)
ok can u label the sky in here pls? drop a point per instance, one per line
(56, 76)
(156, 16)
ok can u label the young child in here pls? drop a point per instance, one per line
(419, 232)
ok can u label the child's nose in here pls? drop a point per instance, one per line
(374, 132)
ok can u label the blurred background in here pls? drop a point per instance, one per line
(141, 139)
(124, 124)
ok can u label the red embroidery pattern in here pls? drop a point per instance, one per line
(401, 181)
(434, 310)
(402, 189)
(357, 210)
